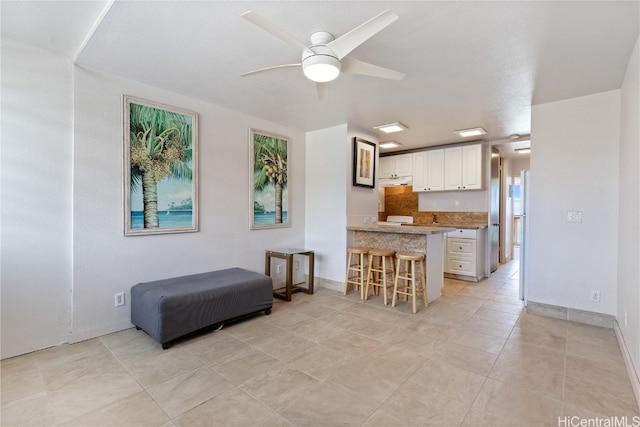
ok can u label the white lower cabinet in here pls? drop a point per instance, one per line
(464, 255)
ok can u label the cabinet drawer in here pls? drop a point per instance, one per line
(461, 247)
(462, 233)
(461, 266)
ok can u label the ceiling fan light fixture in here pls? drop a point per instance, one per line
(390, 144)
(465, 133)
(391, 127)
(321, 68)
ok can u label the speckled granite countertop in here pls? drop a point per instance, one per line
(403, 229)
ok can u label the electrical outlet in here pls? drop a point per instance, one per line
(297, 265)
(595, 296)
(366, 220)
(119, 299)
(279, 268)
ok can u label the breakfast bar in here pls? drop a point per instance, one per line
(422, 239)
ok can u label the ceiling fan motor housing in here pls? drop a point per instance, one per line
(320, 64)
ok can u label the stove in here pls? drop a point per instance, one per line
(396, 220)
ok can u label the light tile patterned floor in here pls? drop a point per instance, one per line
(472, 358)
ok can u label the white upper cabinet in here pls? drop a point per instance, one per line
(396, 166)
(448, 169)
(472, 167)
(428, 170)
(453, 168)
(463, 167)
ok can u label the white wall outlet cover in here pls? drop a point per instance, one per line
(119, 299)
(574, 216)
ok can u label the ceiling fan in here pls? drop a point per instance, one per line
(326, 57)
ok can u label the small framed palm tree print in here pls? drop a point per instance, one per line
(269, 183)
(160, 168)
(364, 163)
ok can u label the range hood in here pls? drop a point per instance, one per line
(400, 180)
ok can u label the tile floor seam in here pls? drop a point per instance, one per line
(466, 414)
(394, 392)
(142, 386)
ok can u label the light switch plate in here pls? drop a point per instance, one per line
(574, 216)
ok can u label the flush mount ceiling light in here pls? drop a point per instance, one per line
(321, 65)
(465, 133)
(523, 150)
(391, 127)
(390, 144)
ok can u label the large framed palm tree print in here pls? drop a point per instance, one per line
(269, 171)
(160, 168)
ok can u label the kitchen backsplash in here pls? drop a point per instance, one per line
(402, 200)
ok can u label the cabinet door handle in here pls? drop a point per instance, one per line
(460, 247)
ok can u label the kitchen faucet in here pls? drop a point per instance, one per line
(435, 218)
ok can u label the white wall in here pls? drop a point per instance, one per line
(574, 167)
(518, 165)
(362, 202)
(333, 201)
(106, 262)
(629, 217)
(35, 198)
(326, 204)
(62, 211)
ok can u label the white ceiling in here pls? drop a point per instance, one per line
(476, 63)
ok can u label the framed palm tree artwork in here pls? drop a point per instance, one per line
(364, 163)
(160, 168)
(269, 170)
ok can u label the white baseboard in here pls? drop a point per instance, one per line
(571, 314)
(631, 370)
(78, 336)
(329, 284)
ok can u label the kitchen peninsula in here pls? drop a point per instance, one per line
(413, 238)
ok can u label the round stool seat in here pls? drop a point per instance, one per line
(381, 252)
(358, 250)
(409, 256)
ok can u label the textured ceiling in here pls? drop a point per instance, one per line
(468, 64)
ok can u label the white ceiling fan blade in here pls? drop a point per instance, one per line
(322, 90)
(354, 66)
(344, 44)
(263, 70)
(275, 30)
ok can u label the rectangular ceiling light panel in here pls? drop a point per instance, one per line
(391, 127)
(465, 133)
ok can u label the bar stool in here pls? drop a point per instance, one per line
(356, 269)
(380, 266)
(407, 273)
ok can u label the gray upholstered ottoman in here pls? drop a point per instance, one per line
(171, 308)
